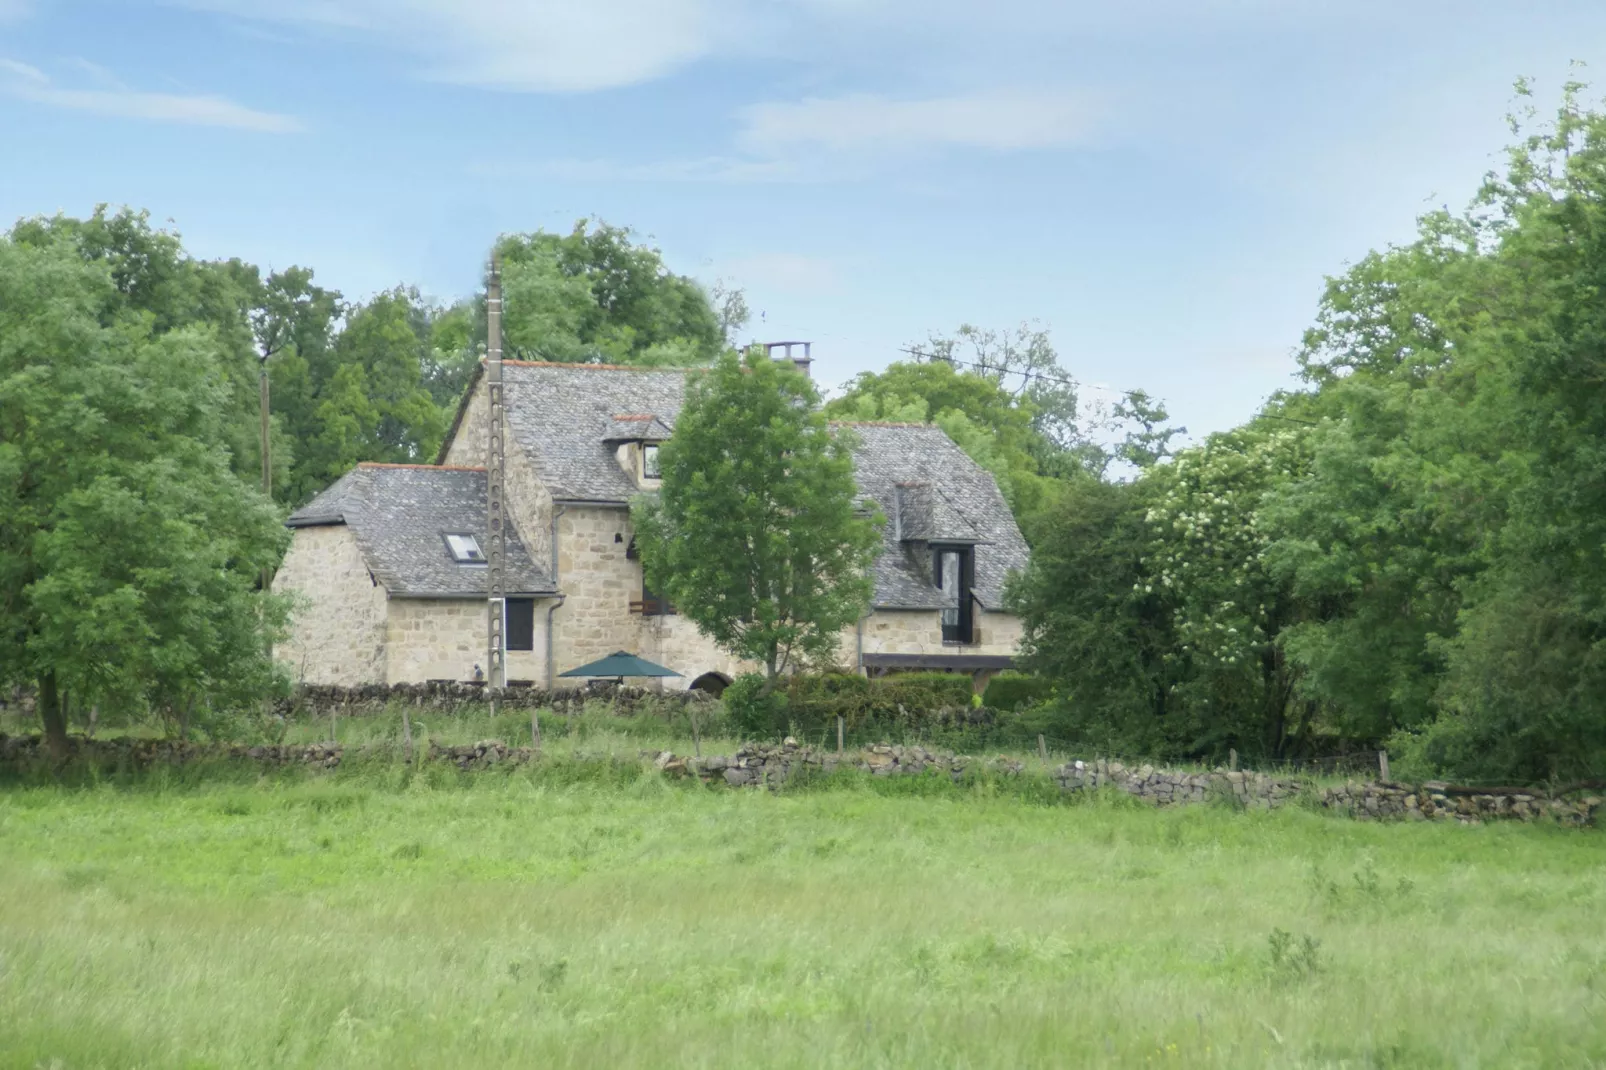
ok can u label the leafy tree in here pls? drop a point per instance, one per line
(754, 535)
(596, 296)
(1094, 623)
(129, 552)
(1148, 439)
(1024, 362)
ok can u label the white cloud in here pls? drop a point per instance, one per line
(529, 45)
(30, 83)
(994, 119)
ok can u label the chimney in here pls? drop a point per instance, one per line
(800, 361)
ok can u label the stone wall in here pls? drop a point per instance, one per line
(338, 631)
(775, 765)
(456, 697)
(444, 638)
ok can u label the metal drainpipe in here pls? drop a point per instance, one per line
(551, 657)
(859, 639)
(551, 654)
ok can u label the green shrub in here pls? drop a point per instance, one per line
(1015, 690)
(936, 689)
(752, 713)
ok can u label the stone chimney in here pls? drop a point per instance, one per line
(799, 360)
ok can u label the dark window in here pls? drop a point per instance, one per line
(520, 628)
(953, 573)
(654, 604)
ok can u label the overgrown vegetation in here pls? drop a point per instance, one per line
(1406, 552)
(590, 913)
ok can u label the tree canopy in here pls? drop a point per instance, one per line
(754, 534)
(595, 295)
(1407, 552)
(129, 552)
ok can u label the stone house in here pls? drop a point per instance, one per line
(390, 574)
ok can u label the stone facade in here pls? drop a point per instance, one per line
(443, 639)
(600, 582)
(905, 631)
(339, 632)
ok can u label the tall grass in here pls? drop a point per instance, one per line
(596, 914)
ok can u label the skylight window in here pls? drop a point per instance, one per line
(465, 549)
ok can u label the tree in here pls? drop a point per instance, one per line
(1148, 440)
(596, 296)
(754, 534)
(1024, 362)
(1095, 624)
(129, 552)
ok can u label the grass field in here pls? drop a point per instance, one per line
(595, 915)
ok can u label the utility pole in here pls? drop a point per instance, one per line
(267, 448)
(496, 576)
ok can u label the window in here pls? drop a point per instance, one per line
(652, 603)
(465, 549)
(518, 629)
(953, 573)
(649, 462)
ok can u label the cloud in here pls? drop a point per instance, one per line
(30, 83)
(1000, 120)
(522, 45)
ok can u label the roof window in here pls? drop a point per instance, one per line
(465, 548)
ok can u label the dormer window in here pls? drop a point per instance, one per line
(649, 462)
(464, 548)
(953, 573)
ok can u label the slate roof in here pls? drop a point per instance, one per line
(399, 514)
(562, 415)
(966, 506)
(636, 427)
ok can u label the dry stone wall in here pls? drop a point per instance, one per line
(774, 765)
(454, 697)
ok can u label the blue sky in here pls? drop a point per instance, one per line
(1161, 183)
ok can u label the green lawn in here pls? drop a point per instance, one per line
(583, 915)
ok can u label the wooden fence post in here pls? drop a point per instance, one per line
(1383, 764)
(407, 733)
(839, 733)
(1232, 759)
(535, 729)
(1042, 749)
(696, 732)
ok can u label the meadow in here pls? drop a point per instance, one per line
(593, 913)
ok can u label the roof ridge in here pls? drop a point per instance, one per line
(425, 467)
(877, 423)
(594, 367)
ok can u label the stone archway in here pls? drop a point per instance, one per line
(711, 683)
